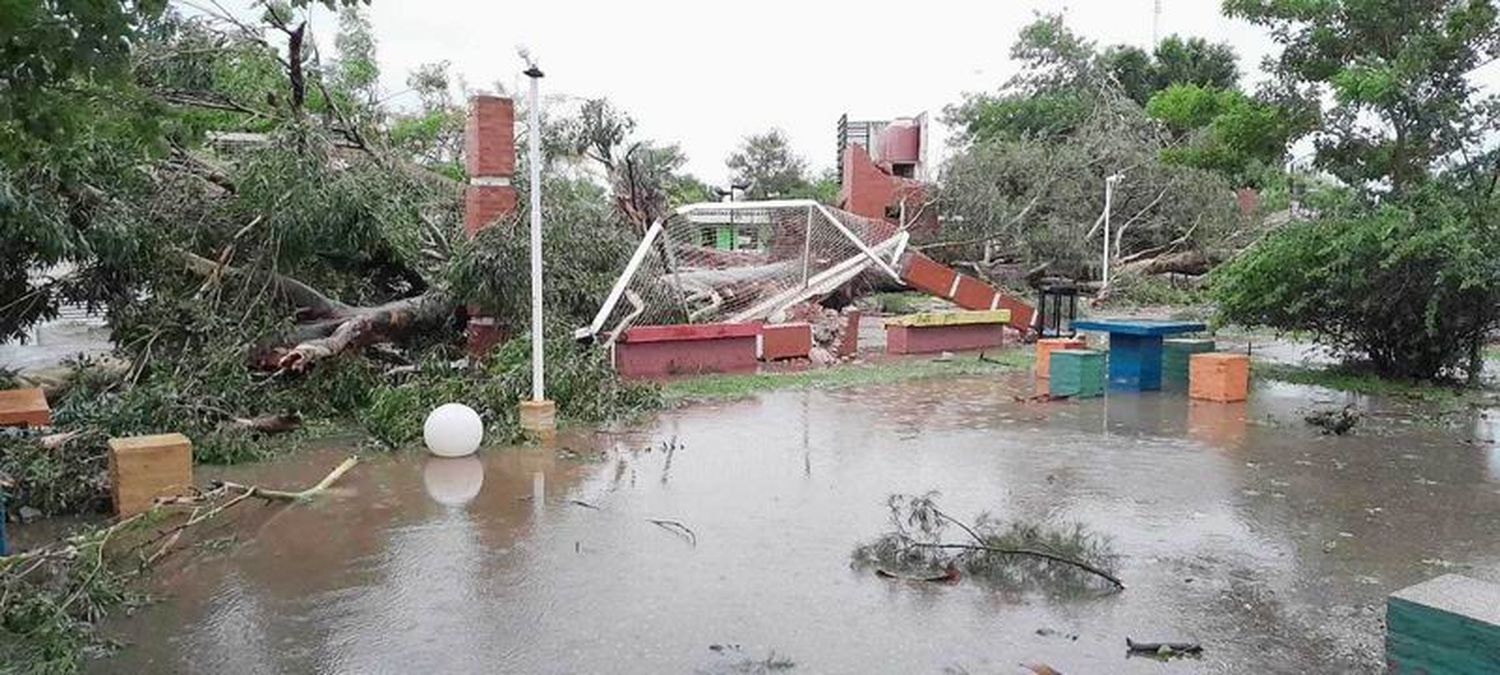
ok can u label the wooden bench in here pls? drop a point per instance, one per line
(931, 332)
(24, 408)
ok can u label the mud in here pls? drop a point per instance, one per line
(1240, 528)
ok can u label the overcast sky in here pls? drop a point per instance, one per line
(705, 74)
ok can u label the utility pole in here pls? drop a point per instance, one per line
(1156, 24)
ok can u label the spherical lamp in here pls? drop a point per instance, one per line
(453, 430)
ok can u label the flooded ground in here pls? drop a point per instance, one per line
(1240, 527)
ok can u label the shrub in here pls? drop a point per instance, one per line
(1412, 290)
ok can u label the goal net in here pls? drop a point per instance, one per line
(742, 261)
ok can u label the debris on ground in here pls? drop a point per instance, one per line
(1059, 558)
(828, 327)
(1162, 649)
(1336, 422)
(950, 575)
(1052, 632)
(1041, 669)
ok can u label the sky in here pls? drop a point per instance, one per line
(705, 74)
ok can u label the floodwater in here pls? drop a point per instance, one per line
(1238, 525)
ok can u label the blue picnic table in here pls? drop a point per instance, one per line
(1135, 348)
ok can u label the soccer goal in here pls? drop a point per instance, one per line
(734, 262)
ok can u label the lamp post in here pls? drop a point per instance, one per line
(538, 415)
(1109, 198)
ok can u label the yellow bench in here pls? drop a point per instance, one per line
(946, 331)
(926, 319)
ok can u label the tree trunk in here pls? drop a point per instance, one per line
(338, 327)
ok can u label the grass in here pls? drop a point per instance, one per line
(720, 387)
(899, 303)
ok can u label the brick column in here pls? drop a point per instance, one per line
(490, 160)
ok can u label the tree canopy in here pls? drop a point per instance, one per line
(1403, 103)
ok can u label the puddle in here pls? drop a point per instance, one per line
(1239, 527)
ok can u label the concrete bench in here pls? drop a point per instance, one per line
(142, 468)
(778, 341)
(945, 331)
(24, 408)
(654, 351)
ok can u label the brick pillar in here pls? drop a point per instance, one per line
(490, 160)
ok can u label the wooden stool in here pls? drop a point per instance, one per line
(1217, 376)
(142, 468)
(24, 408)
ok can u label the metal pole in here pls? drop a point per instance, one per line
(534, 157)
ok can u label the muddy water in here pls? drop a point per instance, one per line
(1239, 527)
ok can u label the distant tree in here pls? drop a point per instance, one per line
(1403, 102)
(356, 70)
(1175, 60)
(767, 162)
(1063, 75)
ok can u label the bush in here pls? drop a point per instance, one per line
(1412, 290)
(579, 380)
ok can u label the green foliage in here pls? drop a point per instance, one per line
(580, 380)
(1014, 117)
(1035, 200)
(1175, 61)
(766, 163)
(1404, 65)
(1223, 130)
(582, 250)
(919, 528)
(1146, 290)
(48, 607)
(1409, 289)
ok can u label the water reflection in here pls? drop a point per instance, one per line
(453, 481)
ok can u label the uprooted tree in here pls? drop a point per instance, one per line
(265, 238)
(1024, 192)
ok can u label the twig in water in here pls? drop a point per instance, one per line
(1162, 648)
(584, 504)
(950, 575)
(676, 528)
(1030, 552)
(280, 495)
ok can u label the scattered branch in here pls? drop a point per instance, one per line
(1033, 553)
(676, 528)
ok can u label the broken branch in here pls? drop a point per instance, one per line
(676, 528)
(1033, 553)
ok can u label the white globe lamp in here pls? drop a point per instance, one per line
(453, 430)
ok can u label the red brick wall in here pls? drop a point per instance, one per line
(490, 159)
(868, 190)
(490, 137)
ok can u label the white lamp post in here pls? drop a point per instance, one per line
(538, 415)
